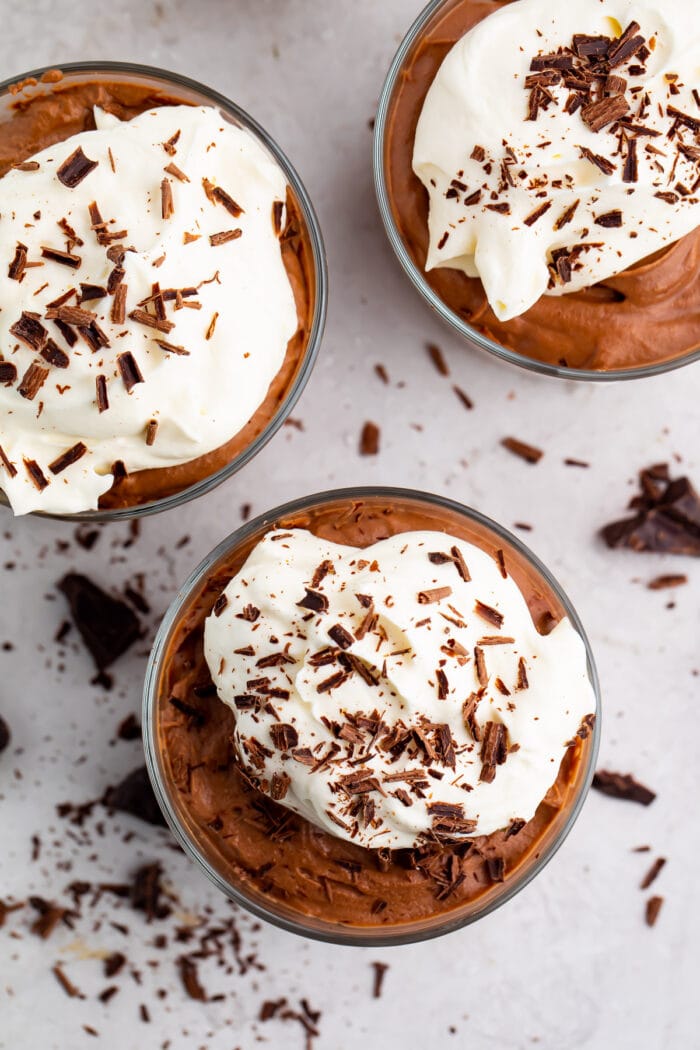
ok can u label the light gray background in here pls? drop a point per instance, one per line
(570, 963)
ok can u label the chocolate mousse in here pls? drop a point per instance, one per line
(646, 315)
(35, 117)
(248, 824)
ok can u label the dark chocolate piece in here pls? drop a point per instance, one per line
(622, 786)
(107, 625)
(225, 236)
(129, 370)
(218, 196)
(67, 458)
(369, 439)
(529, 453)
(134, 795)
(64, 258)
(36, 474)
(653, 907)
(5, 737)
(667, 518)
(75, 168)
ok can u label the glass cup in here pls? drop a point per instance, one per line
(154, 85)
(411, 256)
(180, 638)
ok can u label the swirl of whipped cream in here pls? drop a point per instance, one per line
(394, 692)
(162, 232)
(559, 145)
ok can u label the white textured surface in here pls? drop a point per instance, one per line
(569, 964)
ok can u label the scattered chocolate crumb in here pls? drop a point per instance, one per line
(622, 786)
(68, 987)
(529, 453)
(189, 976)
(438, 359)
(464, 398)
(380, 970)
(5, 737)
(663, 582)
(653, 873)
(653, 908)
(107, 625)
(369, 439)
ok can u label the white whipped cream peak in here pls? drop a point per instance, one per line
(378, 692)
(235, 329)
(477, 152)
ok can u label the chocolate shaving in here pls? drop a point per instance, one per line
(36, 474)
(610, 219)
(18, 265)
(129, 370)
(436, 356)
(538, 213)
(29, 330)
(566, 216)
(71, 990)
(597, 115)
(64, 258)
(8, 372)
(442, 684)
(496, 868)
(7, 464)
(653, 873)
(151, 431)
(494, 750)
(369, 439)
(172, 169)
(32, 381)
(437, 594)
(70, 456)
(75, 168)
(225, 236)
(378, 982)
(169, 146)
(340, 636)
(167, 204)
(279, 786)
(277, 213)
(314, 600)
(218, 196)
(660, 583)
(189, 975)
(653, 907)
(101, 393)
(151, 321)
(522, 682)
(74, 315)
(284, 736)
(91, 291)
(486, 612)
(602, 163)
(250, 614)
(172, 348)
(626, 47)
(622, 786)
(134, 795)
(529, 453)
(118, 311)
(480, 664)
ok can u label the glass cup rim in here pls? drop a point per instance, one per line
(417, 277)
(320, 268)
(342, 935)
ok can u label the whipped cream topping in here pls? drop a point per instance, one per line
(395, 692)
(162, 232)
(559, 145)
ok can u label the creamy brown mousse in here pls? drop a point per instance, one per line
(648, 315)
(279, 859)
(58, 107)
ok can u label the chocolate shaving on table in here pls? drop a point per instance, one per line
(653, 873)
(146, 891)
(189, 975)
(30, 330)
(134, 795)
(369, 439)
(36, 474)
(667, 518)
(225, 236)
(32, 381)
(71, 990)
(64, 258)
(7, 464)
(8, 372)
(660, 583)
(118, 311)
(67, 458)
(167, 204)
(436, 356)
(529, 453)
(218, 196)
(435, 594)
(129, 370)
(380, 970)
(107, 625)
(101, 393)
(75, 168)
(18, 265)
(653, 907)
(622, 786)
(151, 321)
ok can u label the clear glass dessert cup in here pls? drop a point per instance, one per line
(173, 85)
(424, 23)
(199, 843)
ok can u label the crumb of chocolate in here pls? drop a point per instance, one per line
(437, 357)
(380, 970)
(653, 873)
(529, 453)
(653, 907)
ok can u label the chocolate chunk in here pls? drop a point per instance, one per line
(151, 321)
(146, 890)
(627, 46)
(30, 330)
(50, 915)
(529, 453)
(75, 168)
(134, 794)
(653, 907)
(130, 371)
(622, 786)
(113, 963)
(315, 601)
(5, 735)
(279, 786)
(129, 727)
(340, 636)
(107, 625)
(494, 750)
(667, 518)
(189, 975)
(369, 439)
(8, 372)
(70, 456)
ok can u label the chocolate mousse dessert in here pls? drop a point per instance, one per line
(371, 713)
(159, 296)
(541, 164)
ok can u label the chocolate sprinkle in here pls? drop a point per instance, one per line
(653, 908)
(380, 970)
(653, 873)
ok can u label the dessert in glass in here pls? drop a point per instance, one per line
(370, 716)
(165, 290)
(538, 172)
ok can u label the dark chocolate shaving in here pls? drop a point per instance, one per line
(75, 168)
(64, 258)
(622, 786)
(529, 453)
(129, 370)
(32, 381)
(70, 456)
(18, 265)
